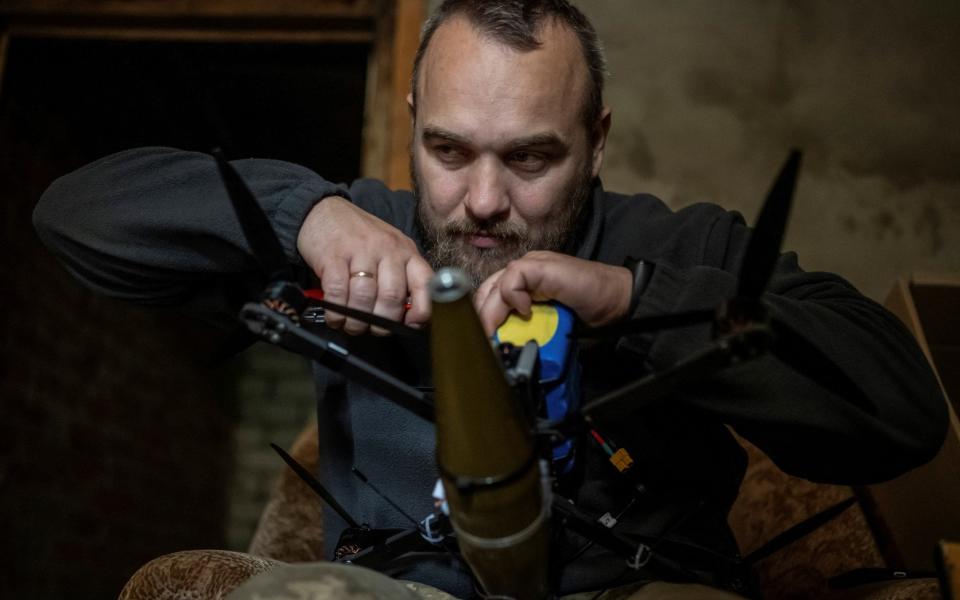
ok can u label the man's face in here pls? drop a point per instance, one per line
(502, 161)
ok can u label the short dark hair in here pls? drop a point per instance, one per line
(516, 24)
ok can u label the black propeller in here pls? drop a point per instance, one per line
(757, 267)
(763, 249)
(747, 331)
(269, 253)
(276, 318)
(256, 227)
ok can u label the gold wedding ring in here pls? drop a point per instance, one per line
(363, 274)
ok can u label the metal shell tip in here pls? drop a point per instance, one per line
(449, 285)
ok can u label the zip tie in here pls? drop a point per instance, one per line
(377, 491)
(641, 558)
(427, 532)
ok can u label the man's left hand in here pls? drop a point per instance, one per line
(598, 293)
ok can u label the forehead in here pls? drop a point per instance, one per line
(483, 89)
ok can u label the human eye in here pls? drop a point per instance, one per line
(449, 153)
(527, 160)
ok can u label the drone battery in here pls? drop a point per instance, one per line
(550, 325)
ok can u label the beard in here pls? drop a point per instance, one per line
(447, 242)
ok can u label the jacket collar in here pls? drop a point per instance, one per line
(585, 243)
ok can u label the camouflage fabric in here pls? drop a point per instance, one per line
(329, 581)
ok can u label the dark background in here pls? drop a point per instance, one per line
(116, 433)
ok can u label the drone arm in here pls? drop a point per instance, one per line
(649, 391)
(845, 396)
(856, 380)
(280, 330)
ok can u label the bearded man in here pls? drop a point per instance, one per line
(509, 138)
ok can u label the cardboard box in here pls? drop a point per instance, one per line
(913, 512)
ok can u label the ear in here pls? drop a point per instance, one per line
(599, 136)
(413, 109)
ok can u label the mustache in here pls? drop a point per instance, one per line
(503, 230)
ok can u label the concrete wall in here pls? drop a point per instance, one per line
(708, 97)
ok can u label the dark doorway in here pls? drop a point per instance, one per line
(115, 436)
(302, 103)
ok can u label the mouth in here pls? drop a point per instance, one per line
(483, 241)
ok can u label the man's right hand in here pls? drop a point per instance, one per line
(339, 241)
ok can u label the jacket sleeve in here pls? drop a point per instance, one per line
(155, 225)
(846, 395)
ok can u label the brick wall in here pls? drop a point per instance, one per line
(118, 445)
(114, 445)
(275, 400)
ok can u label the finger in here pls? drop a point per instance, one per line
(519, 284)
(480, 296)
(363, 295)
(493, 312)
(537, 277)
(419, 274)
(496, 306)
(335, 280)
(391, 292)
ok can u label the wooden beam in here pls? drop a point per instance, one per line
(948, 564)
(4, 45)
(348, 9)
(406, 38)
(377, 101)
(386, 134)
(191, 34)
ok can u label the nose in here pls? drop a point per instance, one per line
(487, 197)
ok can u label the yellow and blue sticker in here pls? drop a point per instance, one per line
(550, 325)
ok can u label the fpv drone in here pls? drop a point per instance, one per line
(540, 376)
